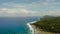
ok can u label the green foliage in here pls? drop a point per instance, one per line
(50, 24)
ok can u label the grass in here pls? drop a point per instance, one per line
(49, 24)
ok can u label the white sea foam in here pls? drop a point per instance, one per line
(30, 26)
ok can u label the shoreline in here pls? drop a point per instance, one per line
(35, 30)
(31, 27)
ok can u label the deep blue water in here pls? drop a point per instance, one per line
(15, 25)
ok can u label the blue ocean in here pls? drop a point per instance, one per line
(15, 25)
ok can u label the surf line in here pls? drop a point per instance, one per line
(30, 27)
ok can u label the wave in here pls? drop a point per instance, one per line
(30, 27)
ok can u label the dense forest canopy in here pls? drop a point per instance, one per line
(49, 23)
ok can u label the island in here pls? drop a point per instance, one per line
(47, 25)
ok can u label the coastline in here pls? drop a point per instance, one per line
(35, 30)
(31, 27)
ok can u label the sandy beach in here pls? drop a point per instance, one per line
(35, 30)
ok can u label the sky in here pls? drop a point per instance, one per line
(18, 8)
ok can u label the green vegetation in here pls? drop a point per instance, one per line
(49, 23)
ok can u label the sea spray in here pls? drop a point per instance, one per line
(30, 27)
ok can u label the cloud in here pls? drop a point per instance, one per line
(49, 0)
(27, 6)
(15, 12)
(22, 9)
(18, 12)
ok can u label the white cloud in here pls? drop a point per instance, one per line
(22, 9)
(45, 4)
(17, 12)
(12, 12)
(47, 0)
(27, 6)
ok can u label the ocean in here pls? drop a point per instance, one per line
(15, 25)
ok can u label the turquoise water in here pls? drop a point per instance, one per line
(15, 25)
